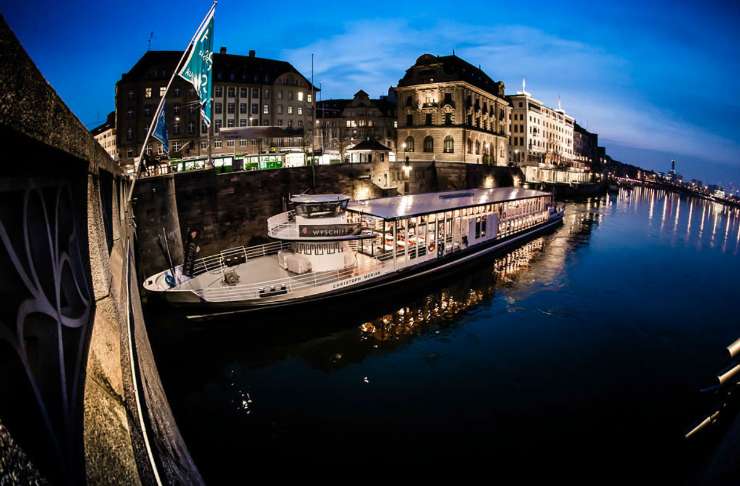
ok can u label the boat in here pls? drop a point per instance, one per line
(328, 246)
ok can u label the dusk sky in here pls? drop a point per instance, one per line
(656, 80)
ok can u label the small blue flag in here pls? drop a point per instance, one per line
(160, 132)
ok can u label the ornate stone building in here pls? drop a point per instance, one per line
(247, 91)
(450, 110)
(342, 123)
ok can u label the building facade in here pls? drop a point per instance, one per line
(105, 134)
(450, 110)
(247, 91)
(585, 148)
(539, 134)
(342, 123)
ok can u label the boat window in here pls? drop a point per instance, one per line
(320, 210)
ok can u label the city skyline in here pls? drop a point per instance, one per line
(616, 69)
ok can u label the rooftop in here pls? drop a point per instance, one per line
(438, 69)
(370, 144)
(232, 68)
(418, 204)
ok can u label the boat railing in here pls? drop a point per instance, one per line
(280, 222)
(233, 256)
(287, 284)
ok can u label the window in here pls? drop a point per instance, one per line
(243, 122)
(428, 119)
(309, 98)
(477, 147)
(219, 91)
(266, 109)
(203, 127)
(243, 108)
(409, 120)
(280, 95)
(218, 107)
(147, 92)
(191, 128)
(267, 93)
(449, 147)
(290, 123)
(290, 96)
(300, 110)
(280, 109)
(218, 125)
(409, 101)
(242, 143)
(242, 92)
(176, 109)
(175, 146)
(300, 123)
(255, 109)
(290, 110)
(428, 144)
(280, 122)
(129, 134)
(409, 144)
(448, 119)
(231, 91)
(131, 94)
(255, 93)
(204, 144)
(162, 91)
(231, 108)
(218, 143)
(470, 146)
(230, 143)
(230, 122)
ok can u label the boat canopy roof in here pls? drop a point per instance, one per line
(419, 204)
(318, 198)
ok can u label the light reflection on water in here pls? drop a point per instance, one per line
(608, 324)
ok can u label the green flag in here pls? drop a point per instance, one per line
(197, 69)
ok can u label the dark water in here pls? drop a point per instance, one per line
(587, 346)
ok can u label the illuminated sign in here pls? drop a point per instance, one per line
(329, 230)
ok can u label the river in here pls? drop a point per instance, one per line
(590, 343)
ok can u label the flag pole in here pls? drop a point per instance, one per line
(163, 97)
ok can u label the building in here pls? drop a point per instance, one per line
(450, 110)
(105, 134)
(248, 91)
(342, 123)
(541, 142)
(585, 148)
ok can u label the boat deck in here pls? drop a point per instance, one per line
(265, 270)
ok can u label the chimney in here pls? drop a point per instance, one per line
(252, 53)
(222, 50)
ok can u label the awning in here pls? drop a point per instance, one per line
(250, 133)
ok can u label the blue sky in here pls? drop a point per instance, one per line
(657, 80)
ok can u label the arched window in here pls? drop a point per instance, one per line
(409, 144)
(428, 144)
(477, 147)
(449, 145)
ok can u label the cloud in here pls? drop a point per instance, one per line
(594, 84)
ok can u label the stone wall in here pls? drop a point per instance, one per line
(81, 387)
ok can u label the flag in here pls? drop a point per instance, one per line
(160, 131)
(197, 68)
